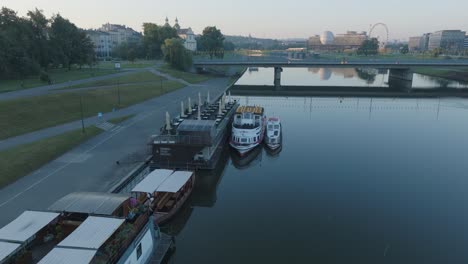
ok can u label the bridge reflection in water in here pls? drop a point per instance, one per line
(347, 82)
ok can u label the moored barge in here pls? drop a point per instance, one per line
(195, 139)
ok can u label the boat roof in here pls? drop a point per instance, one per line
(250, 109)
(7, 249)
(92, 233)
(163, 181)
(152, 181)
(26, 226)
(69, 255)
(191, 125)
(89, 203)
(175, 181)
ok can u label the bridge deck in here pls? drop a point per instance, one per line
(335, 64)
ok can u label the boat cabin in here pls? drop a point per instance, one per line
(114, 227)
(248, 117)
(273, 126)
(29, 237)
(164, 191)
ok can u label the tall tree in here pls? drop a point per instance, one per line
(71, 45)
(154, 37)
(16, 45)
(176, 55)
(212, 41)
(369, 47)
(39, 25)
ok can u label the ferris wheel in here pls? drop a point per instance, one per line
(383, 40)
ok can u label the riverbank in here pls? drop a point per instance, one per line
(459, 75)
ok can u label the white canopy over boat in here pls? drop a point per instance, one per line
(89, 203)
(92, 233)
(69, 256)
(163, 181)
(175, 182)
(7, 249)
(152, 181)
(25, 227)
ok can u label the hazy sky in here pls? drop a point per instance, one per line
(263, 18)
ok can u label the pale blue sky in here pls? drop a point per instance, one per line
(263, 18)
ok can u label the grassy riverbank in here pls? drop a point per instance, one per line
(186, 76)
(460, 75)
(29, 114)
(18, 162)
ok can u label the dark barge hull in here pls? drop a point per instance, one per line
(180, 157)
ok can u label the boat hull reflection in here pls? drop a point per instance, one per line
(247, 160)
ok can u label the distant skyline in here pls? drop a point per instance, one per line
(262, 18)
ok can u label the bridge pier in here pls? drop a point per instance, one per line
(401, 79)
(277, 80)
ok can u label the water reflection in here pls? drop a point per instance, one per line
(273, 152)
(252, 158)
(360, 180)
(349, 77)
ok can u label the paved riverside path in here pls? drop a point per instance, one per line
(43, 90)
(92, 165)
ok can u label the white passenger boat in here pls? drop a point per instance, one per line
(248, 128)
(273, 133)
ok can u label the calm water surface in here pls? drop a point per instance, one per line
(338, 77)
(357, 181)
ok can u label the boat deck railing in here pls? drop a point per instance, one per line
(183, 139)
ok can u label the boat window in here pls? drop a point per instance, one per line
(276, 126)
(244, 140)
(276, 133)
(270, 127)
(248, 115)
(257, 117)
(139, 251)
(238, 116)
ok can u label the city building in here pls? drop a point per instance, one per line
(187, 35)
(465, 45)
(425, 41)
(109, 36)
(351, 40)
(102, 43)
(415, 44)
(121, 34)
(447, 40)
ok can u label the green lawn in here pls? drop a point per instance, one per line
(127, 64)
(25, 115)
(20, 161)
(186, 76)
(119, 120)
(456, 74)
(57, 76)
(138, 77)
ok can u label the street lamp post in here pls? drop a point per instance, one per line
(81, 110)
(118, 92)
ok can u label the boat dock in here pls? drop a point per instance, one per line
(194, 140)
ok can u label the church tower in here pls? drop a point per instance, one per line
(176, 25)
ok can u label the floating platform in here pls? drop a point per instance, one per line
(195, 140)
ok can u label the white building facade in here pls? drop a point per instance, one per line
(109, 36)
(187, 35)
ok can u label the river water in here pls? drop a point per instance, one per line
(358, 180)
(338, 77)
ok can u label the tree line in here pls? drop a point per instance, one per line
(34, 44)
(164, 42)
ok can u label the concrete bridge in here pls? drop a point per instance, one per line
(401, 73)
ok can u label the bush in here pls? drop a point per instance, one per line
(44, 77)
